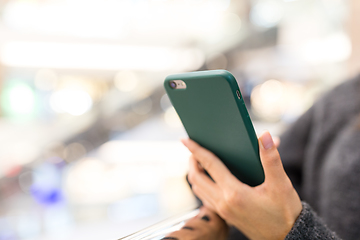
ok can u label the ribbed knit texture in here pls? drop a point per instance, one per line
(310, 226)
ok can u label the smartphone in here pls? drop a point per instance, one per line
(211, 108)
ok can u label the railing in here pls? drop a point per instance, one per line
(163, 228)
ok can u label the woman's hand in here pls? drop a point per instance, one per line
(267, 211)
(206, 225)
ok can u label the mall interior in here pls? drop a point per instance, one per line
(89, 140)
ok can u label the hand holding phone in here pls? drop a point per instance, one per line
(267, 211)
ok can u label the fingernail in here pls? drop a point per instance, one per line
(266, 140)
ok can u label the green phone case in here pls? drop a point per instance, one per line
(216, 118)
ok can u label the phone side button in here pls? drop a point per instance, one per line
(238, 94)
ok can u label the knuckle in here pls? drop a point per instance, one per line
(195, 189)
(196, 151)
(207, 204)
(232, 198)
(207, 164)
(273, 158)
(224, 209)
(191, 178)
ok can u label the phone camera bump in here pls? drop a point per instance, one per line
(177, 84)
(173, 84)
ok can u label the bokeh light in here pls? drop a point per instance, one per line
(104, 57)
(46, 79)
(165, 102)
(126, 81)
(46, 186)
(22, 153)
(216, 61)
(28, 224)
(18, 99)
(334, 48)
(25, 181)
(171, 118)
(232, 23)
(74, 151)
(275, 100)
(143, 107)
(93, 181)
(267, 13)
(72, 101)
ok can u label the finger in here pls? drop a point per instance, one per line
(205, 199)
(198, 177)
(206, 219)
(196, 224)
(276, 141)
(211, 163)
(195, 165)
(188, 231)
(177, 235)
(203, 187)
(211, 215)
(205, 211)
(270, 159)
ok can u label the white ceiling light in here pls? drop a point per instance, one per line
(98, 56)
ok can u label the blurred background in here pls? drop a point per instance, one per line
(89, 141)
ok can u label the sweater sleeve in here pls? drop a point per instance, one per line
(309, 226)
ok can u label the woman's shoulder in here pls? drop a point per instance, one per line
(347, 88)
(345, 97)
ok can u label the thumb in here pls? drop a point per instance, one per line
(270, 159)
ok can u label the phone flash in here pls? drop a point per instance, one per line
(177, 84)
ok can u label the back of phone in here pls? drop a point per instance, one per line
(214, 115)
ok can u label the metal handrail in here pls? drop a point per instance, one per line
(160, 230)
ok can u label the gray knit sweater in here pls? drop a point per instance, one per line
(321, 155)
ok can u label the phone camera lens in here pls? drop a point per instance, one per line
(173, 84)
